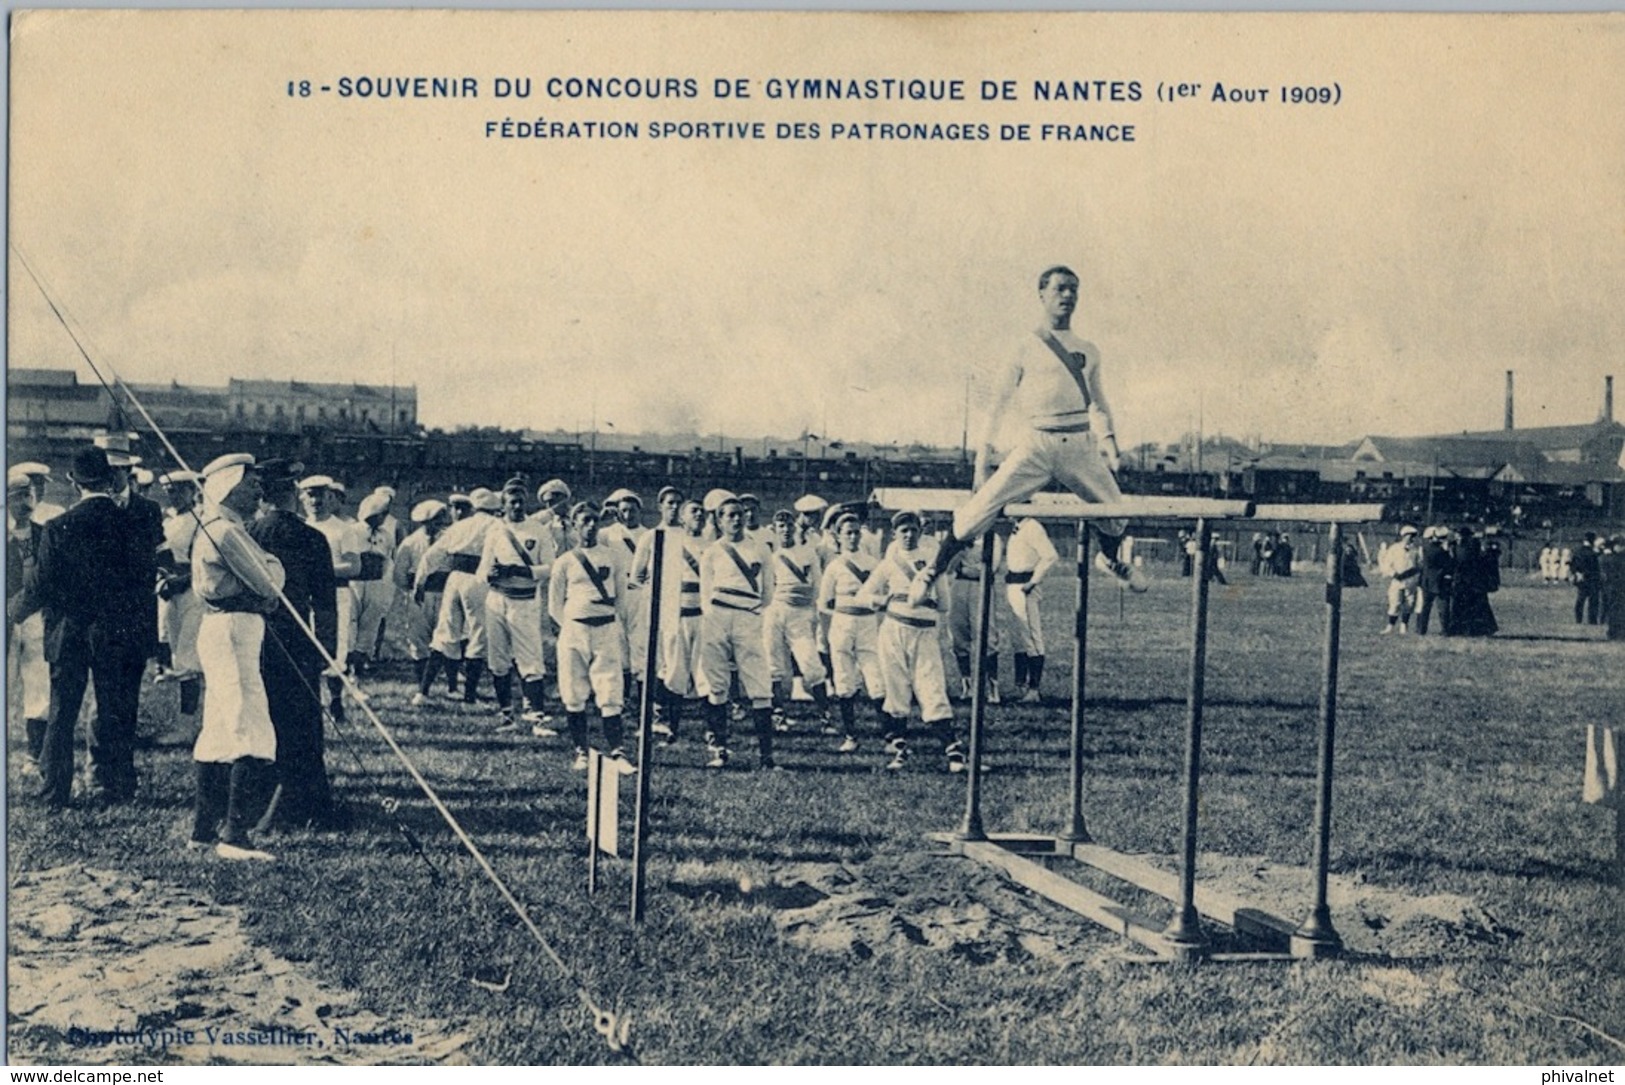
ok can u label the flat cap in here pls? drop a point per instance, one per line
(424, 511)
(811, 503)
(485, 500)
(314, 482)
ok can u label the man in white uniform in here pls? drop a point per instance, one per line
(1401, 562)
(1070, 437)
(373, 585)
(854, 630)
(909, 645)
(179, 609)
(587, 599)
(459, 633)
(422, 608)
(322, 497)
(517, 559)
(736, 584)
(238, 584)
(1028, 559)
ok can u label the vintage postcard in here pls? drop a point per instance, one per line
(489, 297)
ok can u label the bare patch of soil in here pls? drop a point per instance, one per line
(107, 968)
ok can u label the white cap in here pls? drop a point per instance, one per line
(486, 500)
(179, 478)
(715, 498)
(620, 495)
(552, 486)
(318, 482)
(143, 477)
(33, 469)
(372, 505)
(222, 474)
(1407, 530)
(117, 447)
(17, 479)
(810, 503)
(424, 511)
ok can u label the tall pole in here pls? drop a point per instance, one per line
(646, 714)
(1317, 937)
(972, 828)
(1184, 933)
(1075, 829)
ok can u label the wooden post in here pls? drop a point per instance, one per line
(972, 828)
(595, 766)
(1184, 933)
(646, 713)
(1317, 937)
(1076, 832)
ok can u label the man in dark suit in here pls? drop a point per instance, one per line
(93, 578)
(146, 518)
(289, 662)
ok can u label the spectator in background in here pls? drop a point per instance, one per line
(1585, 573)
(1476, 577)
(1613, 587)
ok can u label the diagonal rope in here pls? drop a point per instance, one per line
(612, 1025)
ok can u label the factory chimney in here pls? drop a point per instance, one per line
(1608, 398)
(1509, 401)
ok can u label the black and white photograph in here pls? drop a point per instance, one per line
(668, 538)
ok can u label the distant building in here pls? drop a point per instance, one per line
(51, 403)
(297, 406)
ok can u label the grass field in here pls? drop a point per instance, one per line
(801, 916)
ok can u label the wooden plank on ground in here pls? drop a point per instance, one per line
(1068, 894)
(1210, 902)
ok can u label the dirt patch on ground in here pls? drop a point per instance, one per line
(1372, 921)
(106, 968)
(952, 905)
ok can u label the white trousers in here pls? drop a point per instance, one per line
(911, 663)
(590, 664)
(462, 617)
(1072, 459)
(854, 654)
(792, 633)
(1028, 628)
(178, 621)
(373, 600)
(679, 666)
(732, 640)
(236, 718)
(27, 671)
(513, 636)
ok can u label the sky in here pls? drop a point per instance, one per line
(1298, 272)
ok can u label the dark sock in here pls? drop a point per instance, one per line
(762, 719)
(962, 661)
(1035, 671)
(213, 786)
(1023, 664)
(716, 724)
(431, 667)
(576, 723)
(503, 684)
(535, 692)
(849, 715)
(614, 732)
(191, 695)
(472, 669)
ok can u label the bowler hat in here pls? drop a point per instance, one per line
(90, 467)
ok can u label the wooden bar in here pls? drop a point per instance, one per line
(1320, 514)
(1069, 506)
(1218, 906)
(1068, 894)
